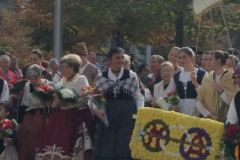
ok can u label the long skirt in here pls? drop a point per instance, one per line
(10, 153)
(29, 134)
(67, 135)
(113, 142)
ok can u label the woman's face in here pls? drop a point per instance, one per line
(184, 59)
(230, 64)
(145, 72)
(54, 68)
(154, 65)
(106, 66)
(117, 60)
(66, 70)
(173, 57)
(35, 81)
(166, 72)
(237, 79)
(34, 59)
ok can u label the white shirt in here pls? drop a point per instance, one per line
(5, 92)
(159, 89)
(138, 97)
(83, 68)
(232, 117)
(203, 110)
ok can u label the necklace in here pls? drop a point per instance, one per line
(116, 71)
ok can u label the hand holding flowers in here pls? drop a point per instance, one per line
(172, 98)
(98, 100)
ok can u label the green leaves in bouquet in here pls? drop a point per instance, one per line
(45, 93)
(18, 86)
(225, 154)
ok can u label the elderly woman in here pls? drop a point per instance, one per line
(167, 85)
(33, 121)
(54, 67)
(70, 128)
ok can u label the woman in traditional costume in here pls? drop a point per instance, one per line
(173, 58)
(123, 97)
(187, 81)
(167, 84)
(217, 90)
(33, 121)
(68, 133)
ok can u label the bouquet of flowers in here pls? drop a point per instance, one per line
(44, 93)
(232, 131)
(7, 127)
(97, 98)
(17, 87)
(67, 95)
(172, 98)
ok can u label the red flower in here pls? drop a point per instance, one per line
(46, 89)
(149, 83)
(232, 131)
(6, 124)
(169, 94)
(173, 93)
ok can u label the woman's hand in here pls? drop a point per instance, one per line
(8, 141)
(217, 87)
(213, 117)
(154, 104)
(194, 79)
(99, 114)
(174, 108)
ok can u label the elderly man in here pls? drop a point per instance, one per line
(5, 73)
(87, 69)
(92, 58)
(14, 66)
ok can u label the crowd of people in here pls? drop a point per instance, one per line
(76, 131)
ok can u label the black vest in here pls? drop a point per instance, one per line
(122, 94)
(237, 104)
(191, 92)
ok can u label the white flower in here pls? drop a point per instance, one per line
(67, 93)
(162, 103)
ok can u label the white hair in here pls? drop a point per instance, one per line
(4, 56)
(53, 62)
(34, 71)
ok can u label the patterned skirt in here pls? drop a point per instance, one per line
(67, 135)
(29, 134)
(113, 142)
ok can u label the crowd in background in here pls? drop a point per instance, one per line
(77, 132)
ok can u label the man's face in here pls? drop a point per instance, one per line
(5, 64)
(204, 62)
(92, 59)
(13, 60)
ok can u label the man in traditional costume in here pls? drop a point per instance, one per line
(87, 69)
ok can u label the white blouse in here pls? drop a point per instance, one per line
(29, 100)
(232, 117)
(159, 89)
(138, 97)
